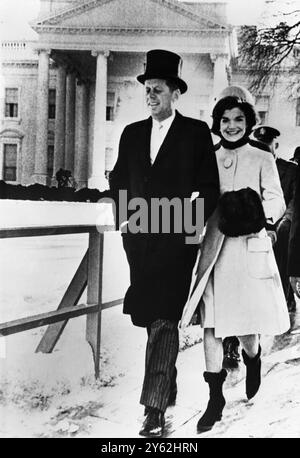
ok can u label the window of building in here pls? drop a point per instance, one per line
(52, 101)
(11, 102)
(50, 160)
(262, 105)
(110, 106)
(296, 52)
(298, 112)
(263, 100)
(10, 162)
(262, 116)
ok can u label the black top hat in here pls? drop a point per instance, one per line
(265, 133)
(163, 65)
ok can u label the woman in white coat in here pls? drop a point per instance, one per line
(238, 284)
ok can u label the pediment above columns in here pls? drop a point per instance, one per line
(137, 16)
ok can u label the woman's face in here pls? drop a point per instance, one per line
(233, 125)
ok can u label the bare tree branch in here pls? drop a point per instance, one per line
(267, 52)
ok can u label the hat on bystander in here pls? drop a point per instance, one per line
(265, 134)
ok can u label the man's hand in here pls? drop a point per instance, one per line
(295, 282)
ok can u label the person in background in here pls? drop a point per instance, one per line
(294, 241)
(237, 284)
(287, 173)
(296, 157)
(165, 156)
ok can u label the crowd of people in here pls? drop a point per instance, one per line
(247, 265)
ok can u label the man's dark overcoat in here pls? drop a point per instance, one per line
(294, 245)
(161, 264)
(287, 173)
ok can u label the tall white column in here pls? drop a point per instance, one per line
(97, 166)
(70, 123)
(41, 143)
(60, 121)
(81, 136)
(220, 73)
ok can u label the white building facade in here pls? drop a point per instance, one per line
(65, 105)
(68, 95)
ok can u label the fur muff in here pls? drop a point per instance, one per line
(241, 213)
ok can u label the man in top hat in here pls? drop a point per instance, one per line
(165, 156)
(288, 174)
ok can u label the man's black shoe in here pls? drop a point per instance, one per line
(154, 423)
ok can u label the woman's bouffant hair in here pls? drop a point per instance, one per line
(228, 103)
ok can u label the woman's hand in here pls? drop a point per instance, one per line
(295, 282)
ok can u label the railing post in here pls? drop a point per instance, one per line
(94, 295)
(70, 299)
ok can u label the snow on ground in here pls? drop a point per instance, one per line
(56, 395)
(34, 274)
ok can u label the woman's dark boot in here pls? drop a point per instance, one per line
(231, 352)
(216, 401)
(253, 368)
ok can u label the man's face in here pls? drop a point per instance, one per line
(160, 98)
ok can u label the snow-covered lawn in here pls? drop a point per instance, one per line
(56, 395)
(36, 387)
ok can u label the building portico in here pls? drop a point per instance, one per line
(97, 48)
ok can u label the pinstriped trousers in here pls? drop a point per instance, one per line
(160, 371)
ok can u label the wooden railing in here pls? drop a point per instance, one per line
(88, 275)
